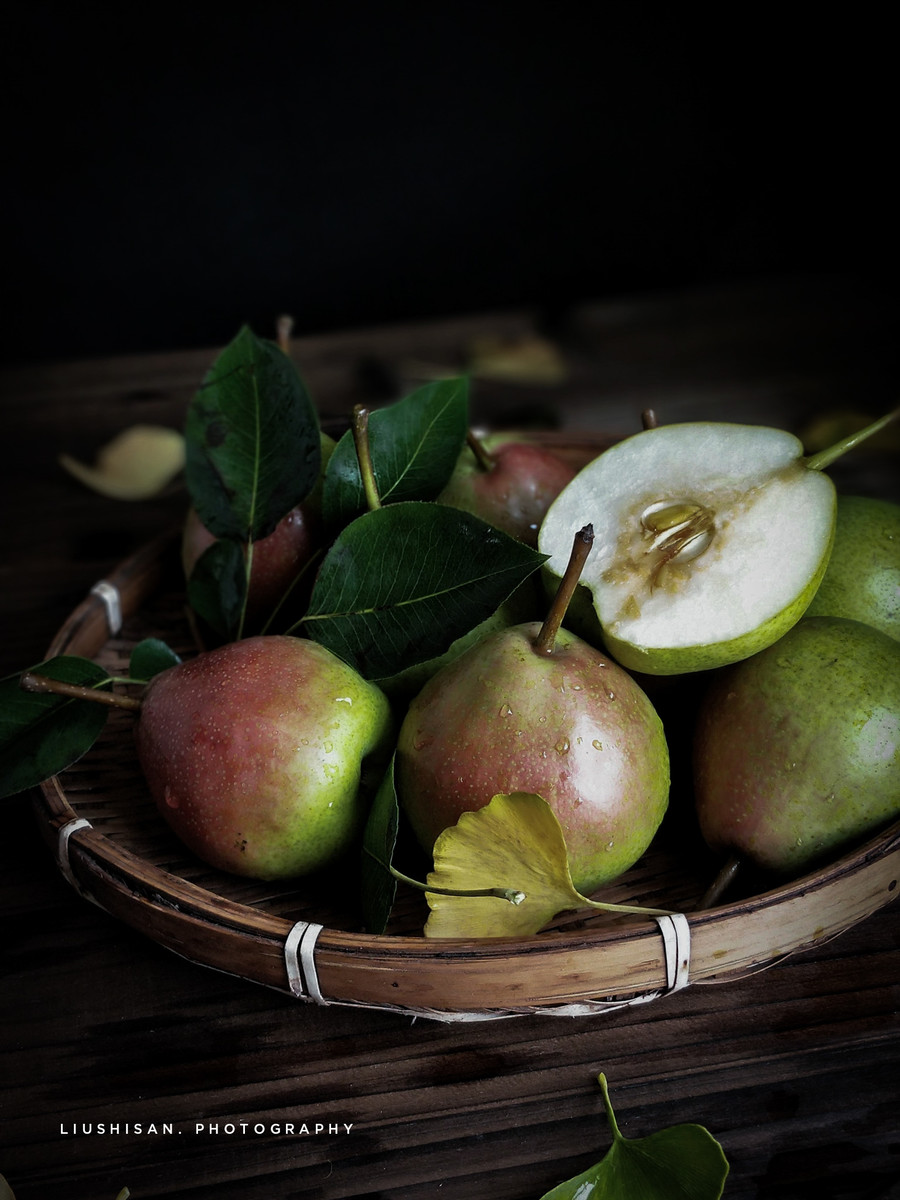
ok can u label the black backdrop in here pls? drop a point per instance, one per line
(171, 172)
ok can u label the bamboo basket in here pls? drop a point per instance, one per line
(304, 938)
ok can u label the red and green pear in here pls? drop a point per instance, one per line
(260, 754)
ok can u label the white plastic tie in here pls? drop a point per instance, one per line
(112, 602)
(676, 934)
(62, 854)
(300, 961)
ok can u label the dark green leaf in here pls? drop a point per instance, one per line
(378, 885)
(683, 1162)
(149, 657)
(253, 448)
(414, 445)
(42, 734)
(402, 583)
(218, 585)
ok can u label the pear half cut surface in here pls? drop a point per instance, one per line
(710, 540)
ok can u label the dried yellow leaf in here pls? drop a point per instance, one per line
(136, 464)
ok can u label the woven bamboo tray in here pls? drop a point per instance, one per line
(304, 939)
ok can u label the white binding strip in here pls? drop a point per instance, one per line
(303, 980)
(112, 602)
(299, 959)
(62, 855)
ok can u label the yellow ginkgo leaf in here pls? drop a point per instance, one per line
(514, 842)
(136, 464)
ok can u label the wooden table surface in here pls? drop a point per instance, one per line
(794, 1070)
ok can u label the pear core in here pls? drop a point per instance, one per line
(709, 542)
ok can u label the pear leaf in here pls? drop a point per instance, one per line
(401, 583)
(137, 464)
(378, 885)
(217, 588)
(149, 657)
(683, 1162)
(414, 445)
(41, 734)
(515, 841)
(253, 447)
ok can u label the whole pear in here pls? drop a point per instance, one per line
(862, 580)
(258, 754)
(570, 726)
(507, 482)
(797, 749)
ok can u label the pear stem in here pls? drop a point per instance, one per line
(824, 458)
(363, 454)
(648, 419)
(284, 327)
(43, 683)
(581, 548)
(726, 876)
(483, 456)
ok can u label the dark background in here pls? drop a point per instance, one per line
(172, 172)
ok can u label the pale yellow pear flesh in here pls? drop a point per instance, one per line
(710, 540)
(862, 581)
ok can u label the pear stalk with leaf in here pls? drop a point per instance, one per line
(712, 540)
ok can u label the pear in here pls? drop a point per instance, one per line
(862, 580)
(507, 482)
(533, 708)
(712, 539)
(259, 754)
(797, 750)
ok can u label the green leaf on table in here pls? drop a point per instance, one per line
(42, 734)
(217, 588)
(414, 445)
(683, 1162)
(400, 584)
(149, 658)
(378, 885)
(253, 448)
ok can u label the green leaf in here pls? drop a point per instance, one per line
(683, 1162)
(217, 588)
(401, 584)
(149, 657)
(378, 885)
(253, 448)
(414, 445)
(42, 734)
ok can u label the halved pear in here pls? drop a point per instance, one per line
(710, 540)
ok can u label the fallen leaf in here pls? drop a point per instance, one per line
(136, 464)
(514, 842)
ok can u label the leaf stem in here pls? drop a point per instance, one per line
(30, 682)
(581, 548)
(824, 458)
(364, 455)
(511, 895)
(483, 456)
(610, 1113)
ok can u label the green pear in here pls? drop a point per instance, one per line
(508, 482)
(797, 750)
(259, 754)
(862, 580)
(712, 539)
(568, 725)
